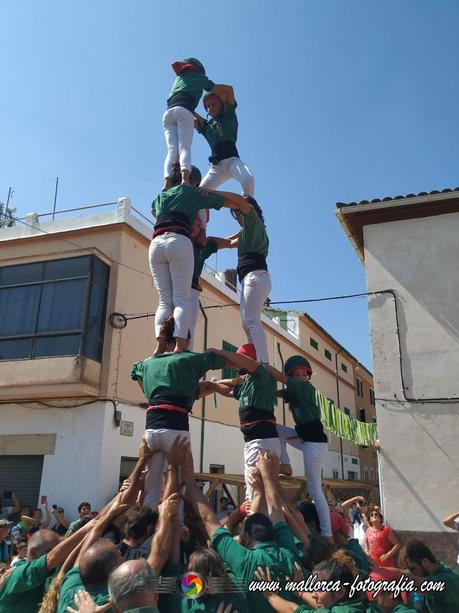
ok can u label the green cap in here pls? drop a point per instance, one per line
(295, 362)
(195, 174)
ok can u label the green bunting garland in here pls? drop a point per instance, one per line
(342, 425)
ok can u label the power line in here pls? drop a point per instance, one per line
(217, 304)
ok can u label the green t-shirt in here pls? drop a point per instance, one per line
(446, 601)
(253, 237)
(401, 608)
(278, 555)
(302, 401)
(356, 552)
(175, 373)
(23, 590)
(72, 584)
(192, 83)
(220, 128)
(187, 200)
(201, 253)
(258, 391)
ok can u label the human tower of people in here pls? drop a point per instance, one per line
(171, 378)
(131, 556)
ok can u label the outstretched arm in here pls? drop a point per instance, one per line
(214, 387)
(276, 374)
(348, 503)
(47, 516)
(232, 200)
(268, 465)
(161, 543)
(200, 503)
(129, 496)
(222, 243)
(237, 360)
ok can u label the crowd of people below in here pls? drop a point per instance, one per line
(131, 557)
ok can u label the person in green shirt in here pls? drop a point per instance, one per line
(263, 540)
(96, 560)
(132, 587)
(220, 131)
(309, 435)
(22, 587)
(171, 251)
(256, 397)
(99, 558)
(423, 568)
(84, 510)
(252, 270)
(201, 252)
(170, 382)
(339, 568)
(178, 119)
(209, 565)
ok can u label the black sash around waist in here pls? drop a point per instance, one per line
(172, 222)
(184, 100)
(169, 412)
(312, 432)
(248, 262)
(257, 423)
(223, 150)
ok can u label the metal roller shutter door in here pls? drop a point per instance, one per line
(21, 474)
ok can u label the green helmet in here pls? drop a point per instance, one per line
(296, 362)
(195, 62)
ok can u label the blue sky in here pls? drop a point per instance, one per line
(338, 101)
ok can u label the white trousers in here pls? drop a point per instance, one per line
(194, 310)
(313, 455)
(231, 168)
(178, 126)
(251, 452)
(161, 439)
(255, 288)
(171, 264)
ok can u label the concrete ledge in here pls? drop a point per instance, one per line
(27, 444)
(57, 377)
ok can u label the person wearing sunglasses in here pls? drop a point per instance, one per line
(380, 543)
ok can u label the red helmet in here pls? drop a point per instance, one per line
(248, 350)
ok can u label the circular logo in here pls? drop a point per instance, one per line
(192, 585)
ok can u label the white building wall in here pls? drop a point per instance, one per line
(85, 464)
(419, 465)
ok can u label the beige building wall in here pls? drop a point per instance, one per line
(123, 239)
